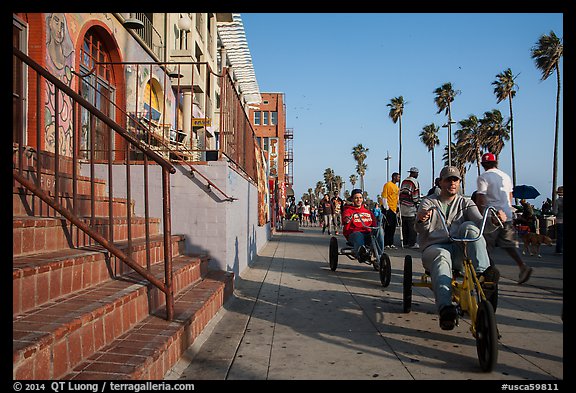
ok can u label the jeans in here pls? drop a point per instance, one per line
(441, 258)
(328, 222)
(363, 239)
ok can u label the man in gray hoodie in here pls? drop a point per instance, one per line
(439, 254)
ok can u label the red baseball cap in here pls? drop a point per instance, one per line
(488, 157)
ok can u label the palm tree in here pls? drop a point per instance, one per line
(396, 111)
(353, 179)
(429, 137)
(361, 169)
(445, 95)
(546, 54)
(471, 139)
(329, 179)
(504, 89)
(311, 195)
(359, 153)
(338, 183)
(494, 131)
(318, 190)
(456, 150)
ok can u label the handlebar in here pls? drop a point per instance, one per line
(484, 218)
(362, 222)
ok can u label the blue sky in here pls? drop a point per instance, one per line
(339, 70)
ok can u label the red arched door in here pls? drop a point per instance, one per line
(98, 87)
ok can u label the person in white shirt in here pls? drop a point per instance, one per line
(494, 188)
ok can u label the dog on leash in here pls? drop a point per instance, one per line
(532, 243)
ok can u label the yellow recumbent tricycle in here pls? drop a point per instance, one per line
(469, 295)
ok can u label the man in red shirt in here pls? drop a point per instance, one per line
(356, 218)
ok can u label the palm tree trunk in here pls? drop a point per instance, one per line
(555, 167)
(512, 147)
(433, 170)
(449, 135)
(400, 152)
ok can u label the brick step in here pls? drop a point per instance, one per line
(51, 340)
(65, 182)
(25, 203)
(42, 278)
(40, 234)
(153, 346)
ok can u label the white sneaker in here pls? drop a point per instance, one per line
(415, 246)
(392, 246)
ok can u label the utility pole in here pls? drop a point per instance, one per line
(388, 158)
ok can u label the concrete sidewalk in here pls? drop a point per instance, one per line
(294, 318)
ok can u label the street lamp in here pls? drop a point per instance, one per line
(387, 158)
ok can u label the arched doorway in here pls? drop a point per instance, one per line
(98, 86)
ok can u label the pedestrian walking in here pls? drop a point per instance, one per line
(337, 203)
(390, 209)
(494, 188)
(326, 211)
(409, 197)
(306, 214)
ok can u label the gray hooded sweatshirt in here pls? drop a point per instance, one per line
(432, 232)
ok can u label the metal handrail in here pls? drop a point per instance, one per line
(137, 122)
(165, 286)
(95, 111)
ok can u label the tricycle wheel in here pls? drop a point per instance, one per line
(486, 336)
(407, 284)
(333, 257)
(385, 270)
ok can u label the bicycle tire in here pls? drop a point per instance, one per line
(385, 270)
(486, 336)
(333, 253)
(407, 284)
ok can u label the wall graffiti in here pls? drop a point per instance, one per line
(60, 61)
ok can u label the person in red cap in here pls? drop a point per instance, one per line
(494, 188)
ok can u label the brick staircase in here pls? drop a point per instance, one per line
(79, 313)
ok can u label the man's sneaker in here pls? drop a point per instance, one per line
(387, 247)
(363, 254)
(448, 317)
(525, 273)
(415, 246)
(489, 282)
(392, 246)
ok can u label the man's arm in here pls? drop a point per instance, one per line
(384, 198)
(482, 202)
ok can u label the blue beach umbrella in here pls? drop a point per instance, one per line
(525, 192)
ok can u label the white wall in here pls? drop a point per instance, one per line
(227, 231)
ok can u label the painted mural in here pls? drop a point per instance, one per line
(60, 61)
(263, 203)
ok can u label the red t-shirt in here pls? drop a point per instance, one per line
(353, 223)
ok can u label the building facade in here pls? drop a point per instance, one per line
(275, 139)
(165, 78)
